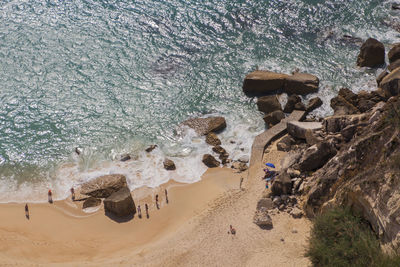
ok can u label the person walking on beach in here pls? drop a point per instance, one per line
(73, 194)
(241, 181)
(50, 196)
(147, 210)
(166, 195)
(26, 211)
(139, 210)
(158, 206)
(232, 230)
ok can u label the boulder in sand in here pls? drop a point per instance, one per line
(203, 126)
(297, 129)
(282, 184)
(262, 82)
(301, 84)
(268, 104)
(169, 165)
(120, 203)
(212, 139)
(91, 202)
(296, 213)
(104, 186)
(262, 219)
(210, 161)
(372, 53)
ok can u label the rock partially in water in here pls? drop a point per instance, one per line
(372, 54)
(292, 100)
(274, 117)
(169, 165)
(104, 186)
(301, 84)
(212, 139)
(268, 104)
(210, 161)
(203, 126)
(151, 148)
(262, 82)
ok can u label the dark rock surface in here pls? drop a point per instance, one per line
(120, 203)
(212, 139)
(210, 161)
(268, 104)
(372, 53)
(263, 82)
(103, 186)
(301, 84)
(169, 165)
(203, 126)
(274, 117)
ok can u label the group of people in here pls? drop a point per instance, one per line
(139, 210)
(269, 175)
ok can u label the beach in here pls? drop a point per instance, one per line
(191, 230)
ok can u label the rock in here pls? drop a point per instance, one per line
(391, 83)
(120, 203)
(125, 157)
(210, 161)
(212, 139)
(277, 201)
(281, 207)
(394, 65)
(169, 165)
(316, 156)
(292, 100)
(265, 203)
(284, 198)
(299, 106)
(395, 6)
(91, 202)
(314, 103)
(348, 132)
(293, 173)
(219, 150)
(335, 124)
(151, 148)
(285, 143)
(263, 82)
(262, 219)
(282, 240)
(296, 184)
(342, 107)
(394, 53)
(104, 186)
(312, 137)
(372, 53)
(282, 184)
(268, 104)
(244, 159)
(296, 213)
(243, 166)
(301, 84)
(274, 117)
(381, 76)
(297, 129)
(203, 126)
(349, 95)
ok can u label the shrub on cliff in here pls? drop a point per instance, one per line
(338, 238)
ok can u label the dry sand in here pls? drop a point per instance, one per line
(192, 230)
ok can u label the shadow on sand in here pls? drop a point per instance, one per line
(119, 219)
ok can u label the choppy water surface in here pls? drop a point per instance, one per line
(112, 77)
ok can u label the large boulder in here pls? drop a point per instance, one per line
(381, 76)
(91, 202)
(297, 129)
(262, 219)
(268, 104)
(274, 117)
(169, 165)
(301, 84)
(292, 101)
(341, 106)
(103, 186)
(282, 184)
(372, 53)
(262, 82)
(212, 139)
(391, 82)
(314, 103)
(203, 126)
(210, 161)
(285, 143)
(394, 53)
(316, 156)
(120, 203)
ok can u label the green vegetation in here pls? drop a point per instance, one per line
(339, 238)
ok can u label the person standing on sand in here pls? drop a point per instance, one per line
(166, 195)
(147, 210)
(50, 196)
(73, 194)
(139, 210)
(232, 230)
(26, 211)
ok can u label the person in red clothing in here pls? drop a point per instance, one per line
(50, 196)
(26, 211)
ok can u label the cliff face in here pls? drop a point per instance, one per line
(365, 172)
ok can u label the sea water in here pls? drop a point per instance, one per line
(113, 77)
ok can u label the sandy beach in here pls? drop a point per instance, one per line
(191, 230)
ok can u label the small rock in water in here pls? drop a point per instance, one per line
(151, 148)
(125, 157)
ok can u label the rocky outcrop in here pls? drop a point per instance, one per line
(104, 186)
(298, 129)
(335, 124)
(91, 202)
(120, 203)
(372, 53)
(203, 126)
(268, 104)
(169, 165)
(314, 103)
(262, 82)
(273, 118)
(210, 161)
(391, 82)
(341, 106)
(292, 101)
(301, 84)
(212, 139)
(381, 76)
(394, 53)
(316, 156)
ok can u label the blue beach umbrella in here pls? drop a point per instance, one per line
(270, 165)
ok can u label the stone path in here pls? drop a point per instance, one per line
(264, 139)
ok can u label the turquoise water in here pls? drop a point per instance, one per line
(112, 77)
